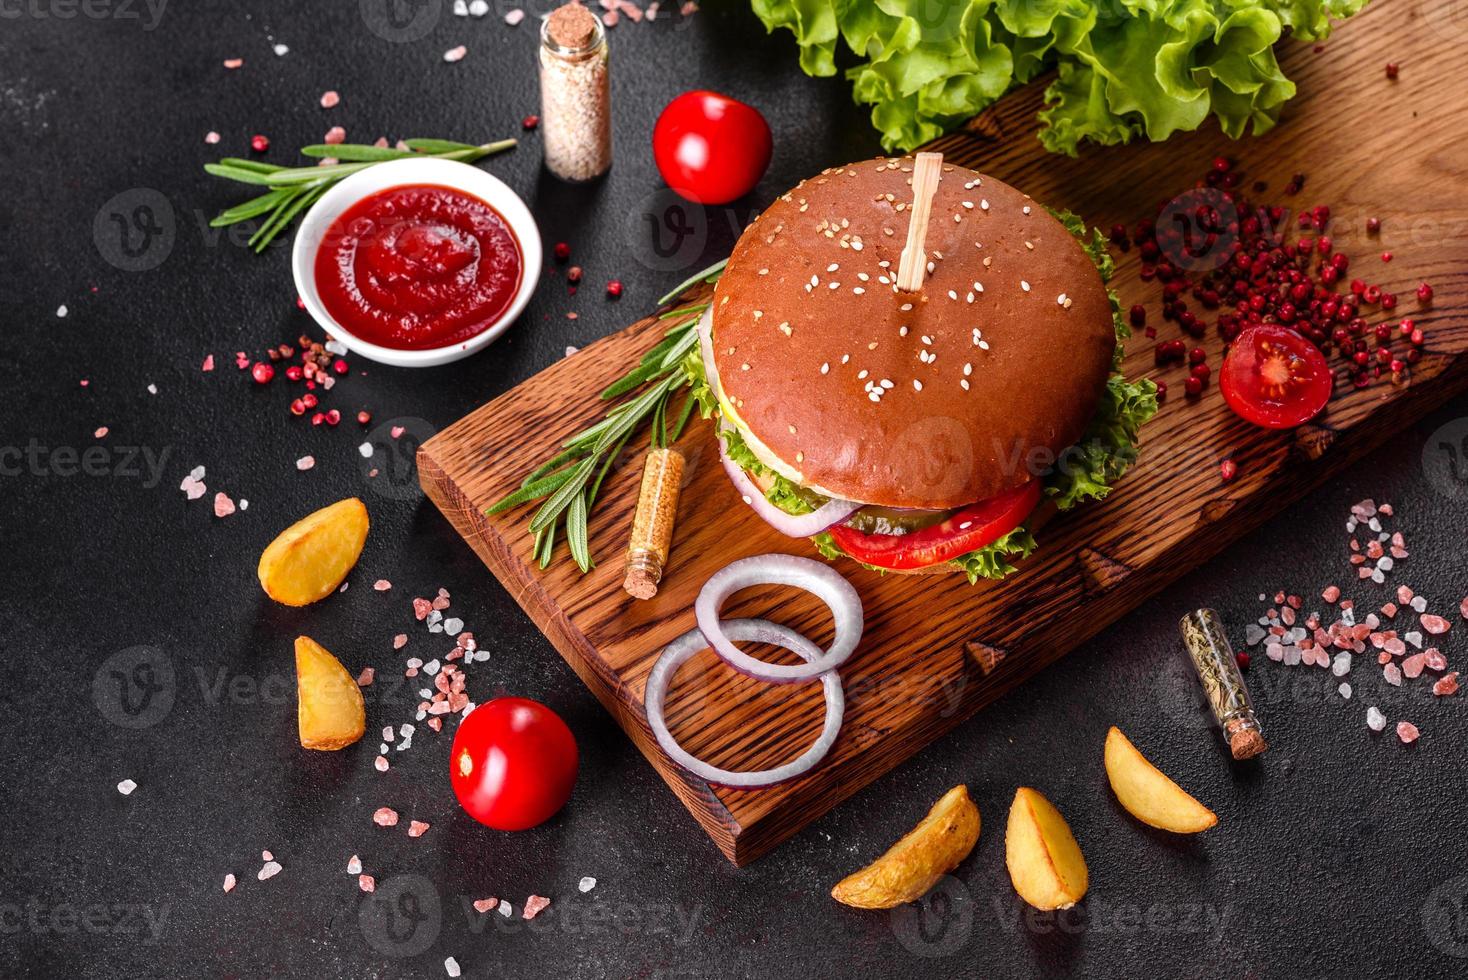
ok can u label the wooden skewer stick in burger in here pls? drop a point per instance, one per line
(913, 266)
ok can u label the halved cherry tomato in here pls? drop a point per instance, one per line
(710, 148)
(1274, 377)
(967, 530)
(513, 763)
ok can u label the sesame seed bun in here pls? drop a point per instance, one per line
(999, 368)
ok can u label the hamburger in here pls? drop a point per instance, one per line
(917, 432)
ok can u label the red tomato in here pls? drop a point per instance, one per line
(967, 530)
(710, 148)
(1274, 377)
(513, 763)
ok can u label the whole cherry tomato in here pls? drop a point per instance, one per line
(710, 148)
(513, 763)
(1274, 377)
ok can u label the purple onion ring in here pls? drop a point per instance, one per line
(803, 573)
(675, 654)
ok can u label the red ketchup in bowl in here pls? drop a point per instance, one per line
(418, 267)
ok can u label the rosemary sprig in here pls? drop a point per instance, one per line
(292, 189)
(570, 481)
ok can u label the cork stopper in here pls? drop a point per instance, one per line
(644, 572)
(1245, 740)
(571, 26)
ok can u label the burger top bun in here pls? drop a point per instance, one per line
(934, 399)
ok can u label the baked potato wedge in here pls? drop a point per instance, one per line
(915, 863)
(1045, 862)
(1148, 794)
(330, 713)
(308, 560)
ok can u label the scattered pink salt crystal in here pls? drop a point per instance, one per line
(421, 608)
(233, 63)
(193, 487)
(400, 641)
(455, 54)
(1331, 593)
(266, 856)
(1404, 594)
(1407, 732)
(223, 506)
(382, 585)
(385, 817)
(334, 135)
(1434, 624)
(397, 431)
(1434, 659)
(1389, 610)
(101, 432)
(1463, 607)
(485, 904)
(380, 763)
(534, 905)
(1393, 675)
(1412, 666)
(365, 678)
(514, 17)
(305, 463)
(1375, 720)
(270, 870)
(417, 828)
(1447, 684)
(354, 865)
(211, 137)
(208, 363)
(330, 99)
(229, 883)
(367, 883)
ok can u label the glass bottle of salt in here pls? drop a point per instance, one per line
(575, 94)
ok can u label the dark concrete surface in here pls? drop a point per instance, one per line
(1339, 853)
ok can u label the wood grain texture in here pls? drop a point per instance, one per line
(935, 649)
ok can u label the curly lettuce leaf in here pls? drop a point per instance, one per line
(1123, 69)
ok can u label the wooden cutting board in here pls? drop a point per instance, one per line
(1369, 147)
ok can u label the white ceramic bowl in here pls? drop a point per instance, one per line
(395, 173)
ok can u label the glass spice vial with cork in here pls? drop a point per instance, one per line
(575, 94)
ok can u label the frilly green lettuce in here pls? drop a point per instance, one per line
(1124, 68)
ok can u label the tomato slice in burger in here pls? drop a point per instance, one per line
(1274, 377)
(966, 530)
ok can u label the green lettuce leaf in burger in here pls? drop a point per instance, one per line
(917, 432)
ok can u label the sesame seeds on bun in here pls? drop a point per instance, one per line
(934, 399)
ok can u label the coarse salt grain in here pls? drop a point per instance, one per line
(505, 909)
(366, 450)
(1407, 732)
(354, 865)
(1375, 720)
(1445, 685)
(229, 883)
(485, 904)
(330, 99)
(305, 463)
(586, 884)
(367, 883)
(211, 137)
(385, 817)
(417, 828)
(534, 905)
(382, 585)
(270, 870)
(514, 17)
(126, 787)
(451, 966)
(223, 506)
(455, 54)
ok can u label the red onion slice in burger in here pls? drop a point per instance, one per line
(678, 652)
(795, 526)
(802, 573)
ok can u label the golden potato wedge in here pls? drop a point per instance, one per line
(309, 559)
(915, 863)
(329, 710)
(1044, 860)
(1148, 794)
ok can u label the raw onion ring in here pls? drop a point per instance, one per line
(791, 525)
(675, 654)
(803, 573)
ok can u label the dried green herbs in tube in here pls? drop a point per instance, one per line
(1218, 671)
